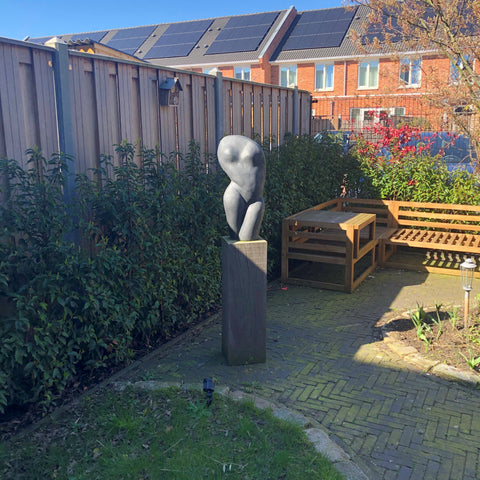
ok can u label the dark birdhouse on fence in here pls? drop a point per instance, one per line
(170, 92)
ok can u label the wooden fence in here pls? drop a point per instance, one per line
(83, 104)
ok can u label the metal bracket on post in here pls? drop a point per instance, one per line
(219, 127)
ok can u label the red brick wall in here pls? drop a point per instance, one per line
(390, 93)
(346, 94)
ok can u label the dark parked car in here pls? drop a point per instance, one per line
(458, 152)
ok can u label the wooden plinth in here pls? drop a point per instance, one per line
(244, 301)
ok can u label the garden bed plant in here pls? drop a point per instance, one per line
(440, 334)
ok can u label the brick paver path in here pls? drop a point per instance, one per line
(327, 361)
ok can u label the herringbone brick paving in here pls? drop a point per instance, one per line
(326, 359)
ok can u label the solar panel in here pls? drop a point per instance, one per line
(128, 40)
(232, 46)
(243, 33)
(179, 39)
(186, 27)
(134, 32)
(250, 20)
(319, 29)
(95, 36)
(40, 40)
(169, 51)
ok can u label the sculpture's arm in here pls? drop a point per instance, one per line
(252, 221)
(235, 208)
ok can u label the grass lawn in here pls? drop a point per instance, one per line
(163, 434)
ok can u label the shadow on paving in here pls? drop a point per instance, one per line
(325, 358)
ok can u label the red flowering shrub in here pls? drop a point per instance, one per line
(398, 164)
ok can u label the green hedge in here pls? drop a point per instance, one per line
(146, 260)
(148, 266)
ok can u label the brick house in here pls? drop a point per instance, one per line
(314, 50)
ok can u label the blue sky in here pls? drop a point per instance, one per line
(38, 18)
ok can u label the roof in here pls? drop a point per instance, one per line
(287, 35)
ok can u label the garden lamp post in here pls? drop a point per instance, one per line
(208, 388)
(467, 268)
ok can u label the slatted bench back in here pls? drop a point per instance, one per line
(418, 215)
(379, 207)
(437, 216)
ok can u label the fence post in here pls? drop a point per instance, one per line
(296, 112)
(61, 68)
(219, 127)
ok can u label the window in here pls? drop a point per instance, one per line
(363, 117)
(459, 65)
(242, 73)
(288, 76)
(324, 77)
(368, 74)
(209, 70)
(410, 71)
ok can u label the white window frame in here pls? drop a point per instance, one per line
(242, 72)
(289, 70)
(454, 75)
(326, 71)
(411, 68)
(357, 115)
(368, 65)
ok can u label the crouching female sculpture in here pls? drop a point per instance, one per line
(243, 161)
(244, 254)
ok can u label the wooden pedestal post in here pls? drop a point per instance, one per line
(244, 301)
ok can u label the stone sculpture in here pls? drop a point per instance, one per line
(243, 161)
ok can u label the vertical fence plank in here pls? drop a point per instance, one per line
(257, 112)
(274, 122)
(184, 113)
(28, 98)
(199, 111)
(211, 119)
(248, 110)
(45, 93)
(227, 107)
(107, 107)
(84, 116)
(305, 113)
(149, 108)
(12, 104)
(236, 108)
(168, 121)
(128, 103)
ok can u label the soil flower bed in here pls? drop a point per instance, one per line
(441, 335)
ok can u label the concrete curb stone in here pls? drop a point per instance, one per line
(434, 367)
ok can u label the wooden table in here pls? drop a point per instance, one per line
(330, 237)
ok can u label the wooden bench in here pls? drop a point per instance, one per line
(449, 231)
